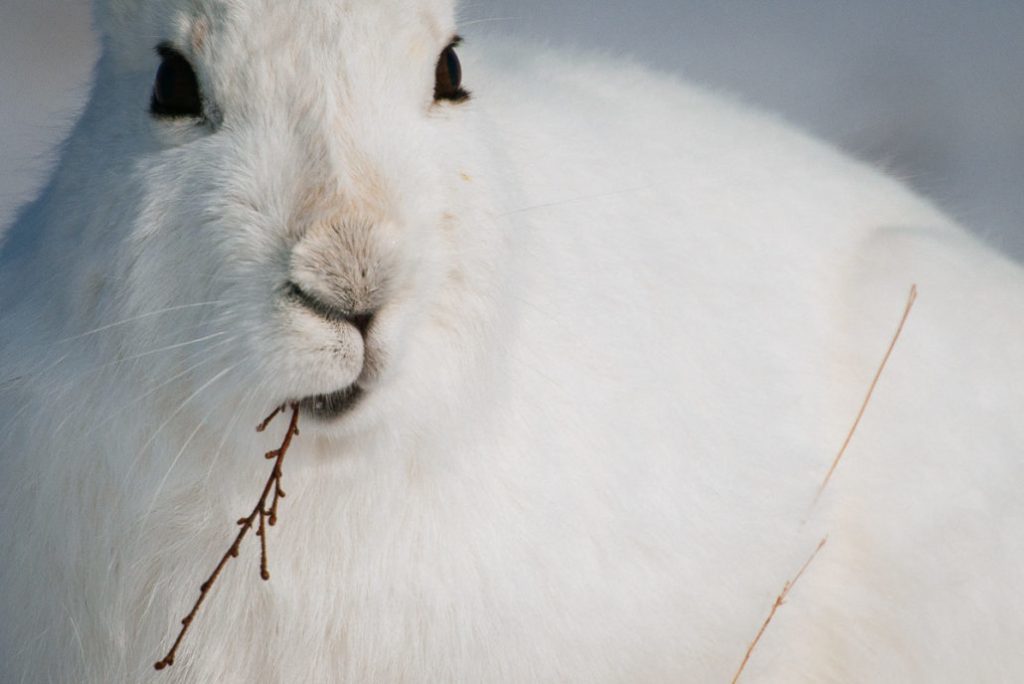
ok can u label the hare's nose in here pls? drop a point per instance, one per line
(360, 320)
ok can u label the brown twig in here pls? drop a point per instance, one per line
(779, 602)
(262, 513)
(867, 399)
(262, 427)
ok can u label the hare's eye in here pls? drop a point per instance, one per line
(449, 77)
(176, 89)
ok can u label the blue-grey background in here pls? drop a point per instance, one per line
(931, 89)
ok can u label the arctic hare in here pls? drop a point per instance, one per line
(573, 345)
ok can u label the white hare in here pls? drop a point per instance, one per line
(573, 352)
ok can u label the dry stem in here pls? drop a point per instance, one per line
(867, 399)
(262, 427)
(779, 602)
(262, 513)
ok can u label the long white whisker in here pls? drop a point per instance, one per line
(11, 382)
(140, 317)
(208, 352)
(153, 352)
(227, 432)
(120, 361)
(78, 634)
(170, 468)
(8, 432)
(243, 406)
(472, 22)
(181, 407)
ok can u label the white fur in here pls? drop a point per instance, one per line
(624, 327)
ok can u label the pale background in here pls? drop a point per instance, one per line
(931, 89)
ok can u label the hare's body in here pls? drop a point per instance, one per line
(623, 329)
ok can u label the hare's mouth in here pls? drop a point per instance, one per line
(328, 407)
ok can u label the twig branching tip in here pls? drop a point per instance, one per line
(263, 514)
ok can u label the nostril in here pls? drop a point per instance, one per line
(362, 322)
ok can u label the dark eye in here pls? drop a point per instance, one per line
(176, 89)
(449, 76)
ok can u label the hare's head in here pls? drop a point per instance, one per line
(303, 165)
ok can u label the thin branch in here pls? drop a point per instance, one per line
(779, 602)
(867, 399)
(262, 427)
(262, 534)
(262, 513)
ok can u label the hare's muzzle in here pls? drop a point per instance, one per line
(328, 407)
(359, 320)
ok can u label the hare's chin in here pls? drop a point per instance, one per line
(331, 407)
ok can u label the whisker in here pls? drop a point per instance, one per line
(77, 633)
(133, 319)
(472, 22)
(181, 407)
(184, 403)
(114, 415)
(12, 382)
(243, 407)
(81, 374)
(153, 352)
(170, 468)
(8, 432)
